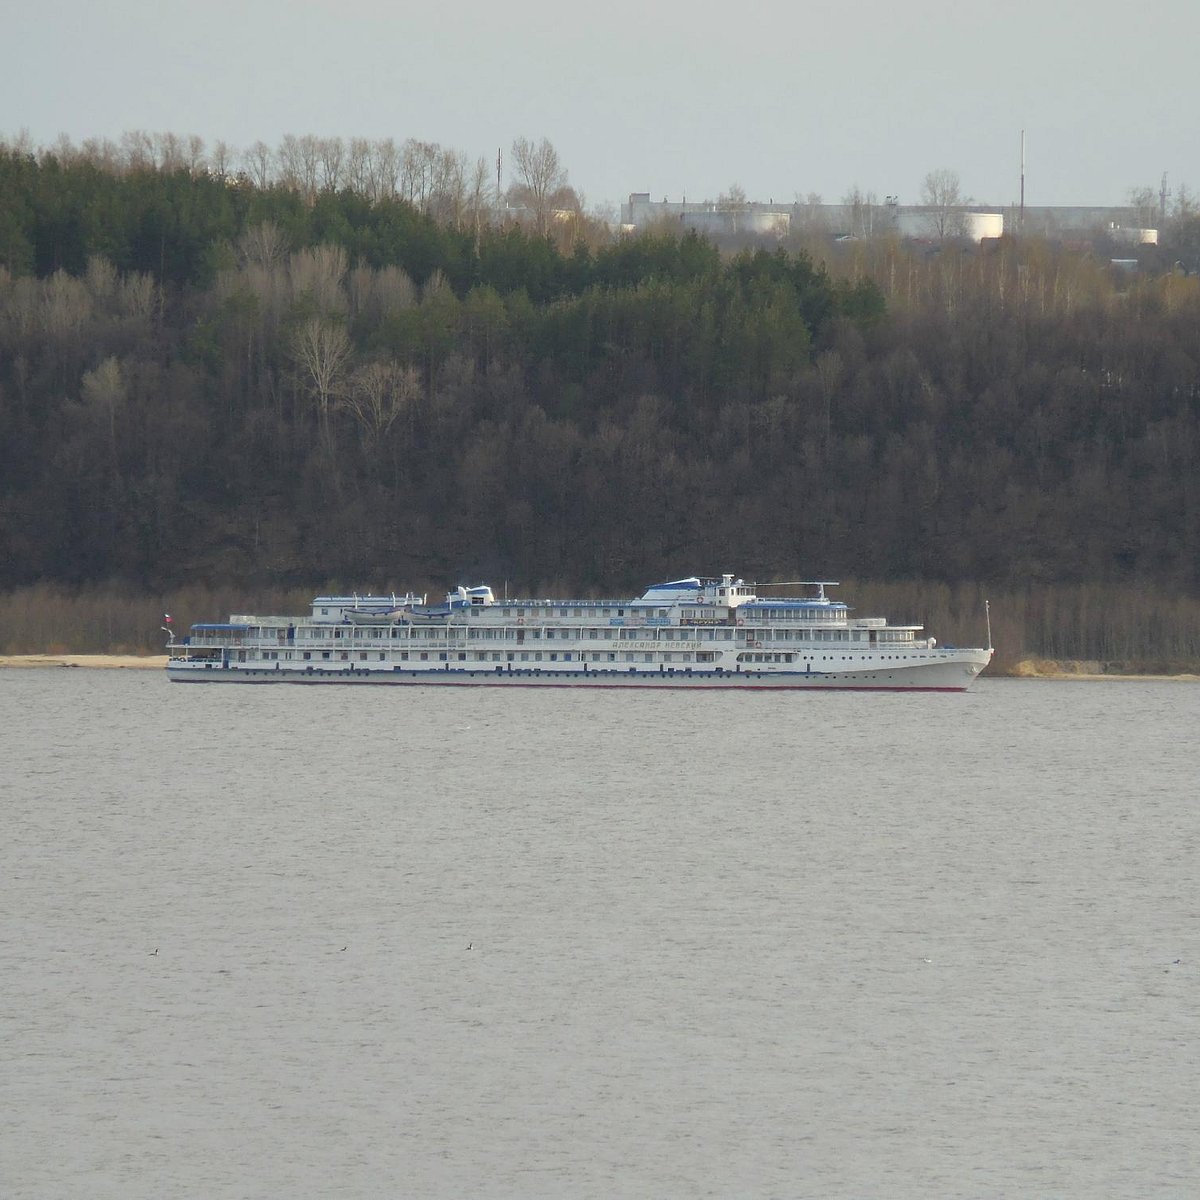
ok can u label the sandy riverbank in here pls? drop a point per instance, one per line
(1085, 672)
(138, 662)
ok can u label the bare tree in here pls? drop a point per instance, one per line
(263, 245)
(103, 153)
(375, 294)
(540, 176)
(66, 306)
(169, 150)
(104, 391)
(378, 393)
(862, 206)
(221, 161)
(137, 148)
(310, 158)
(317, 274)
(942, 195)
(320, 349)
(385, 172)
(448, 200)
(139, 297)
(259, 160)
(416, 171)
(332, 153)
(393, 290)
(358, 166)
(22, 143)
(100, 280)
(287, 159)
(734, 200)
(478, 193)
(194, 154)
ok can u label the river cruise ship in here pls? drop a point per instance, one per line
(688, 633)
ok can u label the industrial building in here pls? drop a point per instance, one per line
(970, 222)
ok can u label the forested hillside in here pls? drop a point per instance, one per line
(209, 382)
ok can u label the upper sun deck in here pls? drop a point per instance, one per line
(694, 600)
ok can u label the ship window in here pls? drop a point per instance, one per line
(554, 657)
(424, 656)
(537, 657)
(307, 654)
(362, 656)
(567, 657)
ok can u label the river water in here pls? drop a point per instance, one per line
(274, 941)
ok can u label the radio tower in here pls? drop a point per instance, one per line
(1021, 217)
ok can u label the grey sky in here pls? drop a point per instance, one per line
(676, 99)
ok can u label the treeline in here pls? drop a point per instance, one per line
(206, 382)
(1124, 627)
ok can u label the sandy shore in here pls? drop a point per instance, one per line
(1042, 668)
(152, 662)
(1082, 678)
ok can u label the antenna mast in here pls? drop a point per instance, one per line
(1021, 218)
(987, 612)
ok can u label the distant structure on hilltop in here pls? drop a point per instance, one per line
(970, 222)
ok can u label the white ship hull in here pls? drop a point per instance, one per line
(953, 673)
